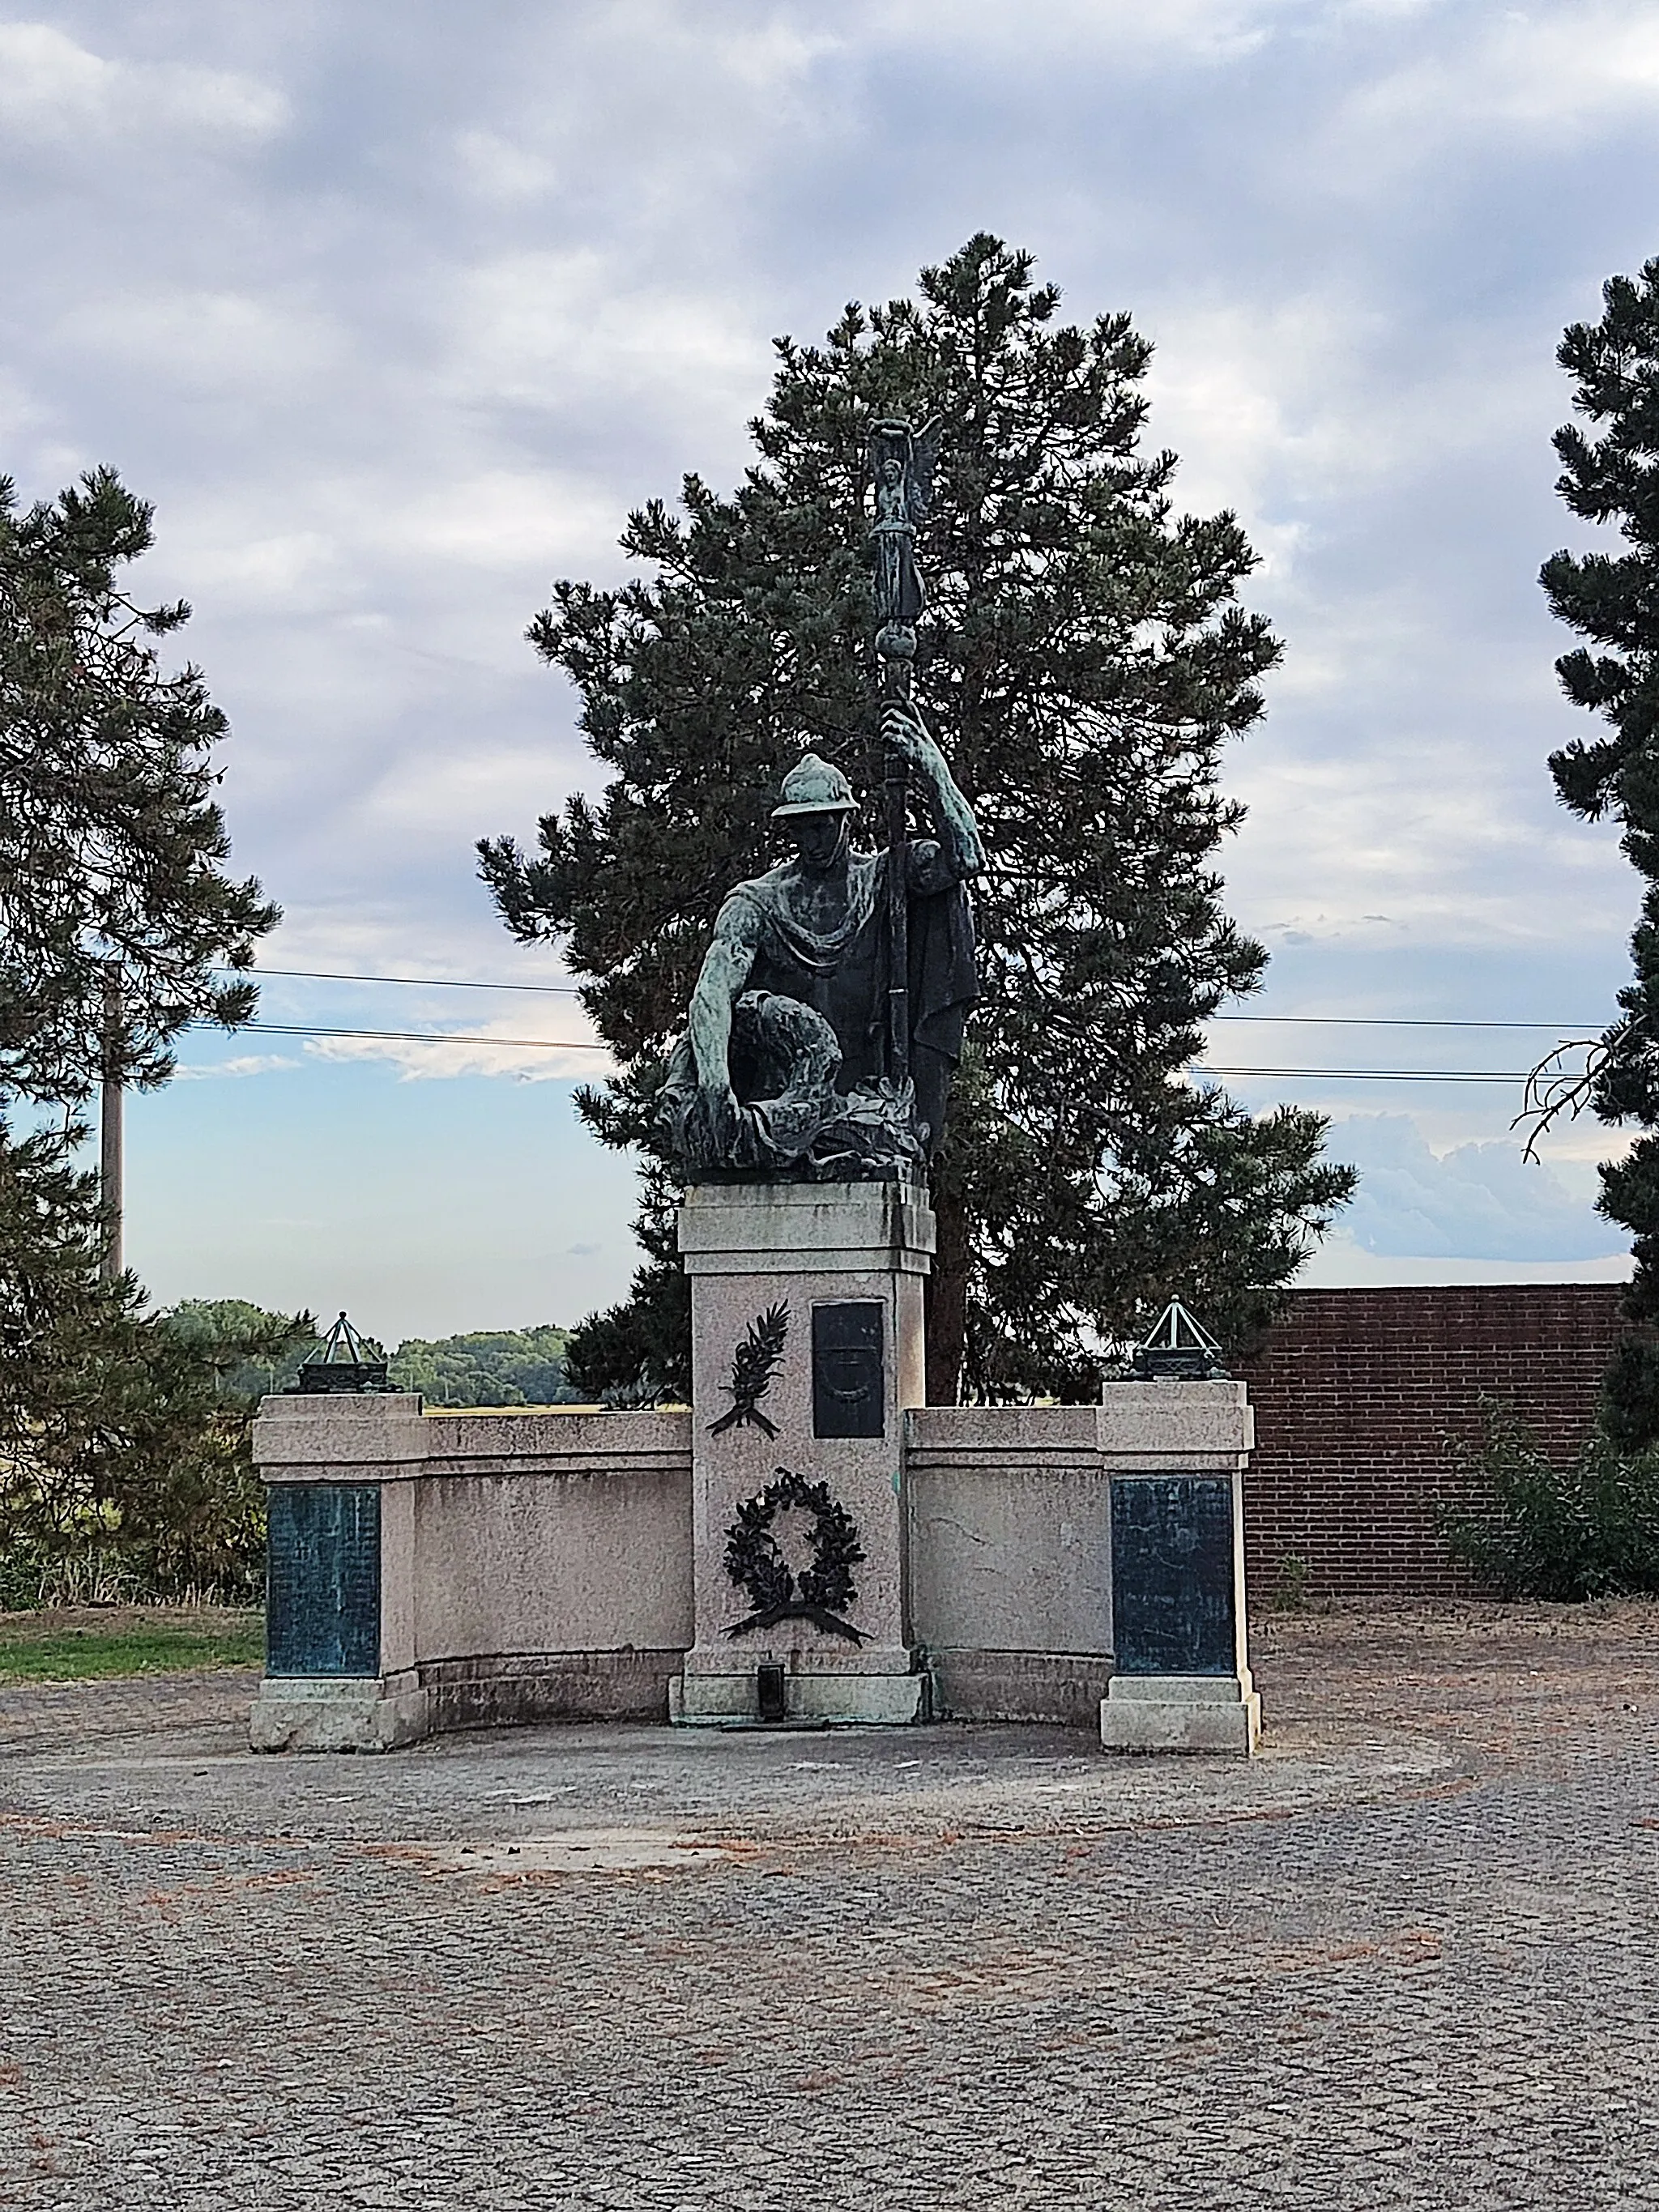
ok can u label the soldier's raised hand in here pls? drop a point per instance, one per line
(902, 728)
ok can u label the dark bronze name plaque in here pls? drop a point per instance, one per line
(1172, 1574)
(324, 1579)
(849, 1380)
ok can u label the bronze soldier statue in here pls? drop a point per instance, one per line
(783, 1068)
(828, 1015)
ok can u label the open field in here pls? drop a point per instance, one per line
(78, 1643)
(1407, 1957)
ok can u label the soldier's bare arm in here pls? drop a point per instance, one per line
(959, 839)
(726, 970)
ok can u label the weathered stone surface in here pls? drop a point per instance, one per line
(1010, 1543)
(514, 1545)
(832, 1228)
(1182, 1713)
(553, 1562)
(338, 1714)
(388, 1439)
(795, 1248)
(1175, 1423)
(843, 1698)
(1010, 1546)
(1063, 1688)
(315, 1439)
(509, 1689)
(510, 1544)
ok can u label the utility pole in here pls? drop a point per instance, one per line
(111, 1104)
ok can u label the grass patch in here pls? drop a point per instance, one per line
(65, 1644)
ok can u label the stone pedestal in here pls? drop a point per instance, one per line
(1181, 1678)
(1182, 1712)
(311, 1714)
(340, 1671)
(830, 1277)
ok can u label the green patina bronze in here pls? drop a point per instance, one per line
(828, 1017)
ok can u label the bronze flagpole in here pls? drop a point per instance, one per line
(901, 468)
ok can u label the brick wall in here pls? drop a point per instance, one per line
(1357, 1395)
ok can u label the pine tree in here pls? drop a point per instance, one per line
(121, 1436)
(1083, 662)
(115, 922)
(109, 835)
(1611, 475)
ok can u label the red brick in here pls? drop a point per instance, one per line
(1358, 1395)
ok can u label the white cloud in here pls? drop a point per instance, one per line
(496, 518)
(289, 573)
(443, 798)
(1551, 75)
(499, 169)
(266, 349)
(546, 328)
(1340, 1264)
(1076, 32)
(252, 1063)
(1288, 398)
(1478, 1201)
(529, 1046)
(1414, 841)
(774, 57)
(56, 93)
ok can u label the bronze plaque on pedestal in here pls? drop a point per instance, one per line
(849, 1380)
(1172, 1574)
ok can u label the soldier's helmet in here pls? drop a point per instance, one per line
(815, 787)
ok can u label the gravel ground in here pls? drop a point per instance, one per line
(1407, 1957)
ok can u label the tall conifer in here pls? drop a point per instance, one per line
(110, 836)
(116, 923)
(1611, 475)
(1083, 662)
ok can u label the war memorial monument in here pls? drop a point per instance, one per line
(809, 1543)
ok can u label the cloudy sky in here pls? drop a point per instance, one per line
(393, 308)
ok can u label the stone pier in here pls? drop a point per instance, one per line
(1181, 1678)
(799, 1513)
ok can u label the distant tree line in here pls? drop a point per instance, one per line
(490, 1367)
(255, 1352)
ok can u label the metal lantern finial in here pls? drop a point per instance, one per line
(1178, 1349)
(342, 1364)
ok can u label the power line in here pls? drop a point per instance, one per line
(1199, 1067)
(425, 1036)
(438, 983)
(1373, 1075)
(572, 991)
(1408, 1022)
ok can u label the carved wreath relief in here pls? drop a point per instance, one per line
(823, 1590)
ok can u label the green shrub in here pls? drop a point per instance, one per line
(1290, 1589)
(34, 1574)
(1588, 1528)
(143, 1487)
